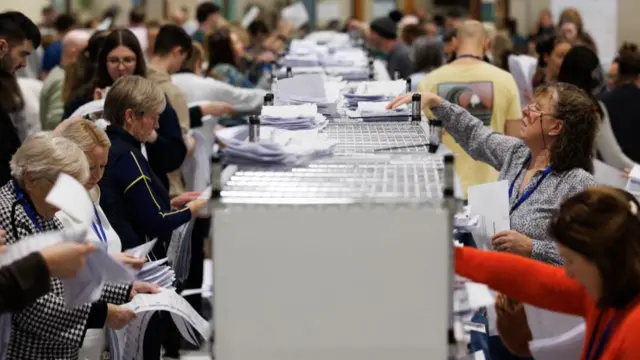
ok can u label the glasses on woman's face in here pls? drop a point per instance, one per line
(534, 109)
(126, 61)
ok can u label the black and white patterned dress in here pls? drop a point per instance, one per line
(47, 330)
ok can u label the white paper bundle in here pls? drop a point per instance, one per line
(158, 273)
(276, 146)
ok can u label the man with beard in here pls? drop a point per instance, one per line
(19, 36)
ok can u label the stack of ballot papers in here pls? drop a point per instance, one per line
(126, 343)
(377, 109)
(275, 146)
(179, 251)
(348, 73)
(293, 117)
(376, 91)
(158, 273)
(328, 37)
(317, 89)
(300, 60)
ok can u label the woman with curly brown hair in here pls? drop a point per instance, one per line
(597, 234)
(552, 159)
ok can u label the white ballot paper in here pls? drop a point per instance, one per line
(127, 343)
(296, 14)
(562, 347)
(250, 16)
(71, 197)
(143, 250)
(158, 273)
(633, 185)
(89, 108)
(179, 251)
(490, 202)
(608, 175)
(547, 325)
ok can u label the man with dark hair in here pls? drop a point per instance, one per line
(51, 58)
(137, 26)
(383, 36)
(453, 19)
(207, 15)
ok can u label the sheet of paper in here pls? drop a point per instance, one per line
(143, 250)
(250, 16)
(30, 244)
(179, 251)
(479, 295)
(633, 185)
(71, 197)
(521, 67)
(490, 202)
(565, 346)
(168, 300)
(608, 175)
(328, 11)
(89, 108)
(296, 14)
(547, 324)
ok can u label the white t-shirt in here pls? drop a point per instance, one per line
(95, 339)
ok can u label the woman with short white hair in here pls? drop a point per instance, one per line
(48, 329)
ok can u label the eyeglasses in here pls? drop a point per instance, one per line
(129, 60)
(532, 109)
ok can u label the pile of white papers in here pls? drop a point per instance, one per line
(276, 146)
(299, 60)
(293, 117)
(126, 343)
(376, 109)
(348, 73)
(158, 273)
(376, 91)
(310, 88)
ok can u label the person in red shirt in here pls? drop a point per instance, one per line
(597, 233)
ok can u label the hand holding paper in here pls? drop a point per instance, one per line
(127, 259)
(513, 242)
(119, 316)
(140, 287)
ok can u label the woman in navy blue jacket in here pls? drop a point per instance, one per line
(133, 198)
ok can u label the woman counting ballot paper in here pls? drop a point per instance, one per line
(134, 199)
(95, 144)
(551, 160)
(48, 329)
(597, 233)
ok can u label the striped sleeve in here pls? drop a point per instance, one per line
(135, 182)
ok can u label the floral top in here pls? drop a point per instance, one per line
(232, 76)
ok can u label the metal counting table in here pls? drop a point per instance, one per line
(348, 177)
(368, 137)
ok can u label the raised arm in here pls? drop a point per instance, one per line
(530, 281)
(480, 142)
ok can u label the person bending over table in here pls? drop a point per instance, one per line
(550, 161)
(597, 235)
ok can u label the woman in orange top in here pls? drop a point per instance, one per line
(597, 233)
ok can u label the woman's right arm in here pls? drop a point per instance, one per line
(479, 141)
(530, 281)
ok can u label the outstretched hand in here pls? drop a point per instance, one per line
(427, 99)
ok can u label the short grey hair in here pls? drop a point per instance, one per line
(427, 53)
(132, 92)
(46, 155)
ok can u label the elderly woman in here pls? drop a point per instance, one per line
(133, 197)
(596, 232)
(48, 329)
(95, 144)
(550, 161)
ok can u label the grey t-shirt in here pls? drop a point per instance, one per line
(400, 61)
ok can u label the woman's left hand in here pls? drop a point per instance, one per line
(184, 198)
(513, 242)
(140, 287)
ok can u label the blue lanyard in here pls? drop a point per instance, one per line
(528, 193)
(98, 228)
(603, 339)
(27, 208)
